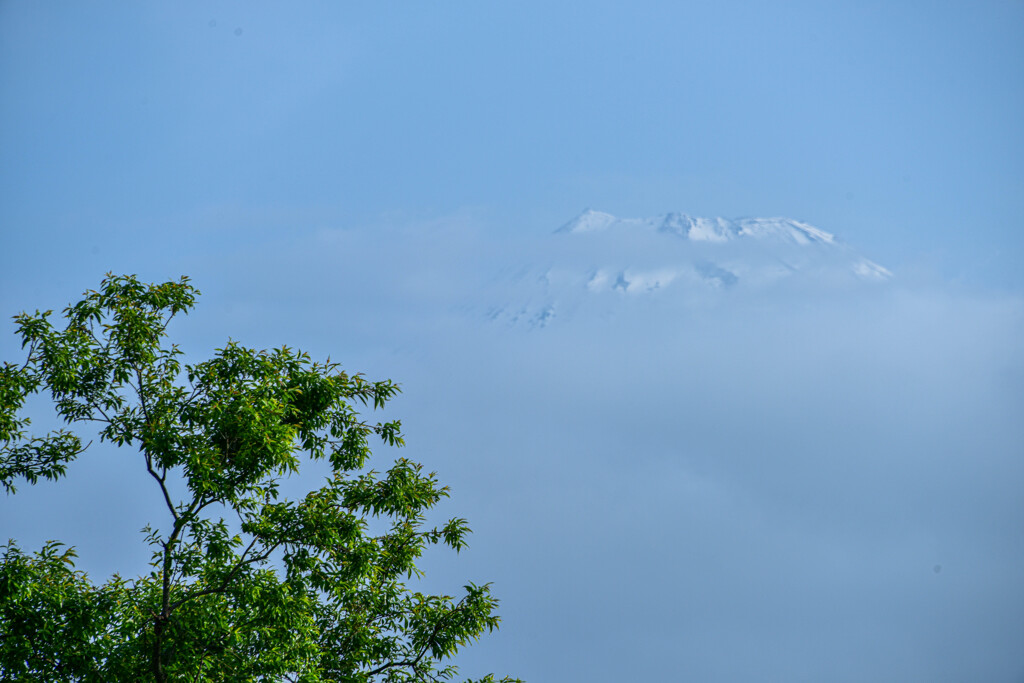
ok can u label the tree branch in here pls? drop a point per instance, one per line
(242, 562)
(163, 486)
(433, 634)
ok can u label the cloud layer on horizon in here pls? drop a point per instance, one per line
(823, 479)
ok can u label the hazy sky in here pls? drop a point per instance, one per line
(798, 485)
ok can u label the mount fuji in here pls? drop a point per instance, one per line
(601, 261)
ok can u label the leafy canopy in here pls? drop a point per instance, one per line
(290, 590)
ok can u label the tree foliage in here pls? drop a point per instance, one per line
(246, 585)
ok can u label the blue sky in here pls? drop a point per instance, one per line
(891, 124)
(758, 489)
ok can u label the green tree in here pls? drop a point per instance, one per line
(290, 590)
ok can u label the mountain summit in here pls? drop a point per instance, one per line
(703, 229)
(597, 259)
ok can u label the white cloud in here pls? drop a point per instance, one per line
(772, 470)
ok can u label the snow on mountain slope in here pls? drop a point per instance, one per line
(598, 260)
(703, 229)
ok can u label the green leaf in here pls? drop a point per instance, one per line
(245, 584)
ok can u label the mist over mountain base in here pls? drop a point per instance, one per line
(771, 470)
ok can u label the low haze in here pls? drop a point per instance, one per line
(756, 454)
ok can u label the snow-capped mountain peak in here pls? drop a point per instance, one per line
(598, 259)
(702, 229)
